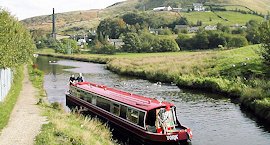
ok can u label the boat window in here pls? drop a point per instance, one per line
(103, 103)
(133, 115)
(115, 109)
(141, 118)
(87, 97)
(123, 111)
(94, 100)
(151, 117)
(79, 93)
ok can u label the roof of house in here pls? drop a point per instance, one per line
(115, 40)
(181, 26)
(193, 28)
(197, 4)
(134, 100)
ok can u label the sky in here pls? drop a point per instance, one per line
(28, 8)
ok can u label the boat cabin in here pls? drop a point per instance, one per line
(147, 113)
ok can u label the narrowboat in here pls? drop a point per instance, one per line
(147, 119)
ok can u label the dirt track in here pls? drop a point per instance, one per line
(25, 121)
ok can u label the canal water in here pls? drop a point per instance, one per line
(213, 119)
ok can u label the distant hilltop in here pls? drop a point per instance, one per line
(76, 21)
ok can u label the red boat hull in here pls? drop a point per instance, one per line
(139, 134)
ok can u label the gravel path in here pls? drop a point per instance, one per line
(25, 121)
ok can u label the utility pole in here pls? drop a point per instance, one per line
(53, 25)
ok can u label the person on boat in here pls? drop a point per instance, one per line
(166, 120)
(80, 78)
(72, 79)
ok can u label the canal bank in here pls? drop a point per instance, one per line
(252, 93)
(211, 117)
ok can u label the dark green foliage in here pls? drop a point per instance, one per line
(201, 41)
(112, 28)
(133, 18)
(223, 28)
(216, 38)
(265, 39)
(253, 32)
(237, 41)
(145, 20)
(210, 40)
(238, 31)
(132, 43)
(184, 41)
(16, 44)
(148, 41)
(180, 21)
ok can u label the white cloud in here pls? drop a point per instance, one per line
(29, 8)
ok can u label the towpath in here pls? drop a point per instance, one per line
(25, 121)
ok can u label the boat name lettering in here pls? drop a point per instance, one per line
(172, 137)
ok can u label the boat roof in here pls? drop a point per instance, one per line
(134, 100)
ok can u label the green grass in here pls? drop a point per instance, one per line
(233, 18)
(205, 17)
(67, 128)
(238, 18)
(6, 107)
(233, 8)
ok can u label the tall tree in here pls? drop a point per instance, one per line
(265, 40)
(132, 43)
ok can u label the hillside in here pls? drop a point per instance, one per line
(81, 21)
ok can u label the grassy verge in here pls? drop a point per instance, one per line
(236, 73)
(67, 128)
(6, 107)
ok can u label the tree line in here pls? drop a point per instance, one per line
(16, 43)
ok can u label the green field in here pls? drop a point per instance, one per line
(232, 17)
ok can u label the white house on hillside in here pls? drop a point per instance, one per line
(169, 8)
(116, 42)
(198, 7)
(193, 29)
(210, 28)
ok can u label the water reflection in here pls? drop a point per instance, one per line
(214, 120)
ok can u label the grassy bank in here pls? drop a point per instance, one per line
(67, 128)
(6, 107)
(237, 73)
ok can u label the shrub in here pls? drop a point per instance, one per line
(167, 44)
(237, 41)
